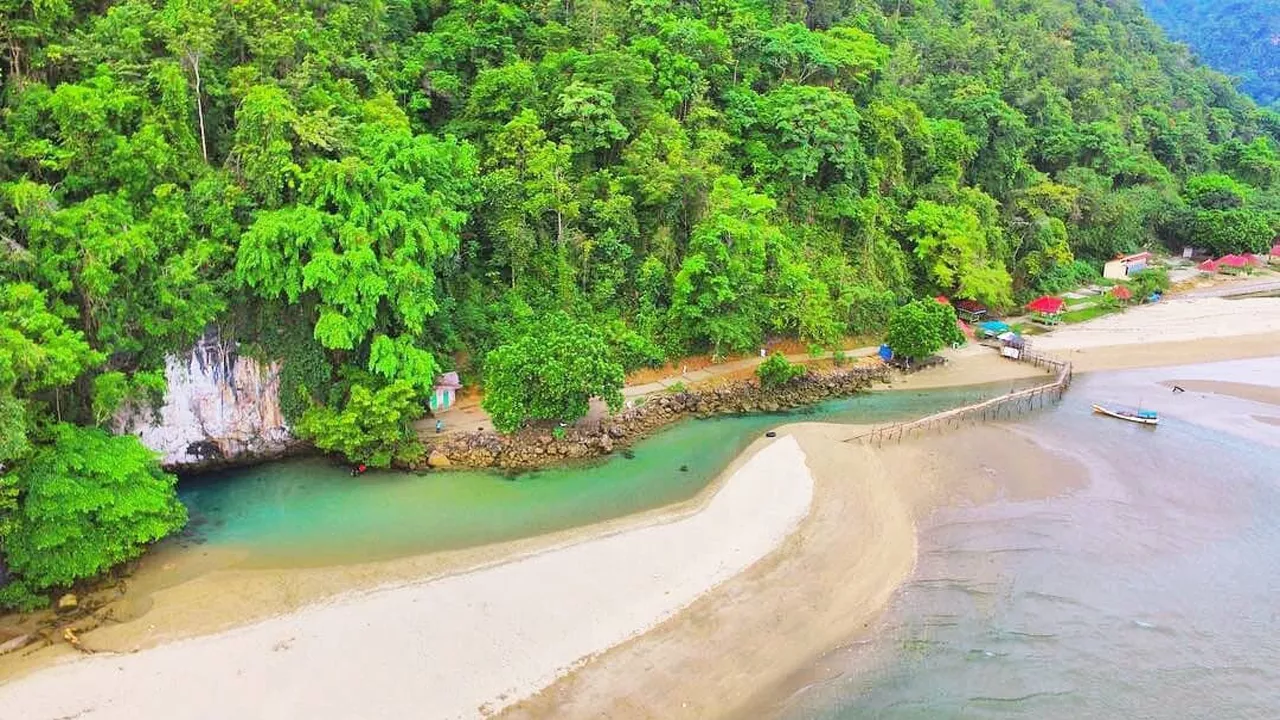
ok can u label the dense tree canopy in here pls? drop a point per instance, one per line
(1237, 37)
(374, 191)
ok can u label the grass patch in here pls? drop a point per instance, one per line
(1089, 313)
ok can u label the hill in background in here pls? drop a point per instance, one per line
(1241, 38)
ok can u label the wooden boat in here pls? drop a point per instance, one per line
(1144, 417)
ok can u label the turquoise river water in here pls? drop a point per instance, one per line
(311, 512)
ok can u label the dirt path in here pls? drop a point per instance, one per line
(467, 416)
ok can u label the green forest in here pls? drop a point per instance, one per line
(542, 196)
(1240, 37)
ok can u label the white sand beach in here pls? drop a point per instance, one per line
(1175, 331)
(455, 647)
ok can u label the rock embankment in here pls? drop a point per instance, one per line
(545, 445)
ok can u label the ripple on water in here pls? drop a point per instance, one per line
(1148, 594)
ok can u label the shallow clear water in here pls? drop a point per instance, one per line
(311, 512)
(1152, 593)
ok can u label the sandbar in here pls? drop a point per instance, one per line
(459, 646)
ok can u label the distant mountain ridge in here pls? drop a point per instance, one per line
(1239, 37)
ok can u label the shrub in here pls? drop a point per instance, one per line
(867, 310)
(1067, 277)
(1145, 282)
(777, 370)
(86, 501)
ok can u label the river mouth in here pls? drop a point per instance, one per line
(1148, 593)
(312, 513)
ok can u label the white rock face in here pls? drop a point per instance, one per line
(220, 408)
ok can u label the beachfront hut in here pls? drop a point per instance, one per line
(1012, 345)
(970, 310)
(1232, 264)
(1122, 293)
(1125, 265)
(1208, 266)
(992, 328)
(1047, 309)
(444, 394)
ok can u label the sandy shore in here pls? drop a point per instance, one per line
(459, 646)
(1178, 331)
(824, 586)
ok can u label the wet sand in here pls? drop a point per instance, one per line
(1267, 394)
(824, 586)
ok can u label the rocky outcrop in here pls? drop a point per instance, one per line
(221, 408)
(542, 446)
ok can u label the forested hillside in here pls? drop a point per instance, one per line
(372, 191)
(1240, 37)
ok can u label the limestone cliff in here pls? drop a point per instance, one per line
(221, 408)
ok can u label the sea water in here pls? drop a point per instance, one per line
(313, 512)
(1152, 593)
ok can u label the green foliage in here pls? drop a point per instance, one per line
(776, 370)
(921, 328)
(957, 253)
(550, 372)
(1147, 281)
(1236, 37)
(631, 348)
(1230, 231)
(868, 310)
(86, 501)
(1065, 278)
(373, 426)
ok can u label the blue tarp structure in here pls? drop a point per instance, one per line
(992, 328)
(885, 353)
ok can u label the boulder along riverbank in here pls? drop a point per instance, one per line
(543, 446)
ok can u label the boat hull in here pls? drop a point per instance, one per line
(1125, 416)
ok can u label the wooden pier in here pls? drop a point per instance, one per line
(999, 408)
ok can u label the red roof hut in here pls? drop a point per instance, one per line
(1232, 263)
(1046, 305)
(1047, 309)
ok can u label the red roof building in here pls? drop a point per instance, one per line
(1209, 266)
(1275, 251)
(1232, 261)
(1046, 305)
